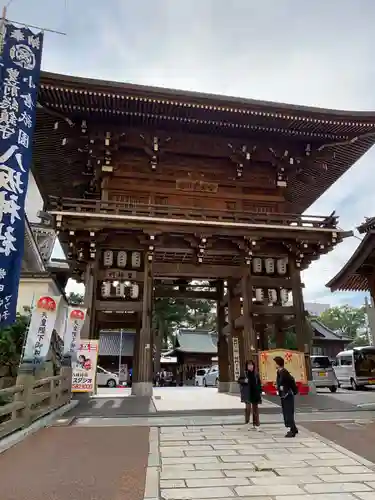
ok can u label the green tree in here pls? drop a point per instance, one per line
(201, 313)
(168, 315)
(75, 299)
(350, 321)
(12, 339)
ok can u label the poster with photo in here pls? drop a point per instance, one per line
(84, 367)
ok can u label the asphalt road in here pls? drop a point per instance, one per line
(362, 398)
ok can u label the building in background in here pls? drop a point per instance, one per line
(326, 342)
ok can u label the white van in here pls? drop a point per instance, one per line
(356, 367)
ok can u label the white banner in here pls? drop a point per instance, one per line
(84, 369)
(73, 326)
(42, 324)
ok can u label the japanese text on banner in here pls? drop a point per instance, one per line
(20, 72)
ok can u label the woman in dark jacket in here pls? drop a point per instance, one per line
(251, 393)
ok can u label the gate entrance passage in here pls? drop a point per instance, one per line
(150, 189)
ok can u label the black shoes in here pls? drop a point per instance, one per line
(291, 434)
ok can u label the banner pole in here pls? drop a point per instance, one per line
(2, 28)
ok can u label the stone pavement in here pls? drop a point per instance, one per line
(215, 462)
(77, 463)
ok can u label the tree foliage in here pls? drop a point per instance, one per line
(12, 338)
(347, 320)
(75, 299)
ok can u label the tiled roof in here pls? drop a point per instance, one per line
(196, 341)
(109, 343)
(325, 333)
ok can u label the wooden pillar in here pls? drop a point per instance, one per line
(279, 334)
(222, 347)
(302, 331)
(249, 334)
(143, 385)
(235, 340)
(87, 331)
(136, 349)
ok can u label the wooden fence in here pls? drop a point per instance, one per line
(20, 405)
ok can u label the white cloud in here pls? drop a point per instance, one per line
(314, 53)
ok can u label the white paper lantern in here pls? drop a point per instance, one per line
(136, 260)
(257, 265)
(106, 289)
(259, 294)
(122, 258)
(281, 265)
(120, 290)
(108, 258)
(284, 295)
(134, 291)
(272, 295)
(270, 266)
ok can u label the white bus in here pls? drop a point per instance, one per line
(356, 367)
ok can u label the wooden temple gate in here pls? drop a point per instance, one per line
(152, 189)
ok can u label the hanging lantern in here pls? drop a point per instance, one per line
(122, 258)
(281, 265)
(108, 258)
(120, 290)
(134, 291)
(270, 266)
(272, 295)
(106, 289)
(259, 294)
(284, 296)
(136, 260)
(257, 265)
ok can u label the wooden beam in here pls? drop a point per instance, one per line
(172, 270)
(118, 305)
(268, 310)
(184, 294)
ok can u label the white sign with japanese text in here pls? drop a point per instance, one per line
(236, 358)
(73, 326)
(42, 324)
(84, 369)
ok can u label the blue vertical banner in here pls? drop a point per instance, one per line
(19, 78)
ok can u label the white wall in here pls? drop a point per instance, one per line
(34, 201)
(31, 289)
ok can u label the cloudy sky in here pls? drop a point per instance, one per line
(318, 53)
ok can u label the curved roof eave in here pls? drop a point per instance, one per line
(358, 257)
(56, 78)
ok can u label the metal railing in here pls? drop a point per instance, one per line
(56, 204)
(23, 404)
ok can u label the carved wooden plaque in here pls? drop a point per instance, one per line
(196, 186)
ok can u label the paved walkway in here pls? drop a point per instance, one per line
(214, 462)
(77, 463)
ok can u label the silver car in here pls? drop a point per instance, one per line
(323, 373)
(212, 377)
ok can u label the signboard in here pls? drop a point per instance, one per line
(42, 324)
(294, 363)
(236, 359)
(84, 368)
(124, 374)
(20, 72)
(73, 326)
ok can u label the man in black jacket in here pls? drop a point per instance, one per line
(286, 386)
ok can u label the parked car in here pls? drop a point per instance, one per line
(356, 367)
(211, 379)
(105, 378)
(323, 373)
(199, 376)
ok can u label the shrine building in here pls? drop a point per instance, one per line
(150, 188)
